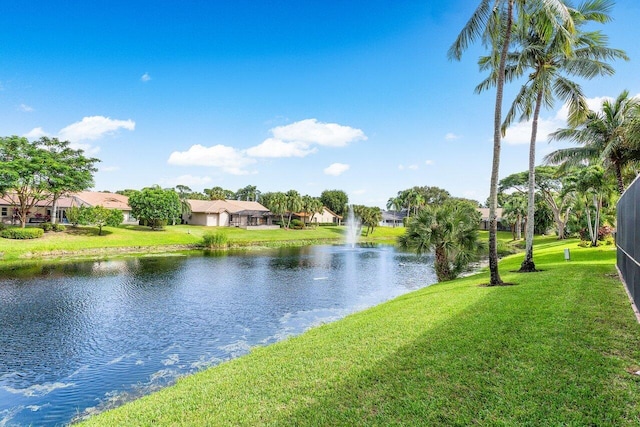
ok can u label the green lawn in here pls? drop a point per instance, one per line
(558, 348)
(85, 241)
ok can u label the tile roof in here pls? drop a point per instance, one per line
(231, 206)
(107, 200)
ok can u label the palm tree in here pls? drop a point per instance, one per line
(294, 203)
(604, 137)
(183, 193)
(492, 22)
(450, 230)
(277, 204)
(591, 186)
(219, 193)
(515, 205)
(551, 60)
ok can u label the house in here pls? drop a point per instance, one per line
(39, 213)
(229, 213)
(43, 209)
(327, 216)
(393, 218)
(106, 200)
(484, 221)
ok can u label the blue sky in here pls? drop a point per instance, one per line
(309, 95)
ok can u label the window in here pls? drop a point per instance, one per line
(4, 212)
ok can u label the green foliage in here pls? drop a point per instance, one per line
(248, 193)
(22, 233)
(217, 240)
(219, 193)
(46, 226)
(156, 207)
(415, 198)
(77, 215)
(294, 204)
(297, 224)
(370, 217)
(34, 171)
(543, 217)
(450, 230)
(101, 216)
(58, 227)
(335, 200)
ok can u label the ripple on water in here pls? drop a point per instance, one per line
(79, 340)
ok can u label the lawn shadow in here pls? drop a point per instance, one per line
(86, 231)
(498, 362)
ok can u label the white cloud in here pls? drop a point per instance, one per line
(227, 158)
(451, 136)
(358, 192)
(25, 108)
(94, 127)
(520, 133)
(87, 148)
(336, 169)
(298, 139)
(429, 162)
(311, 131)
(35, 133)
(145, 77)
(273, 147)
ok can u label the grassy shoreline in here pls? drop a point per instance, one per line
(559, 348)
(83, 243)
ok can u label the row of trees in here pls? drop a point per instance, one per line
(546, 43)
(414, 199)
(46, 169)
(335, 200)
(290, 203)
(579, 199)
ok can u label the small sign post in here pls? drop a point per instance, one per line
(567, 254)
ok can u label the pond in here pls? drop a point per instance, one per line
(79, 338)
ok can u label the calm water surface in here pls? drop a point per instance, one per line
(80, 338)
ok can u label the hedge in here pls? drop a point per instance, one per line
(22, 233)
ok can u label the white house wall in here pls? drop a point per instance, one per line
(223, 219)
(325, 217)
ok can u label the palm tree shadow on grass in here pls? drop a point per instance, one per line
(471, 370)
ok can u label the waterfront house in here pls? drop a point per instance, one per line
(228, 213)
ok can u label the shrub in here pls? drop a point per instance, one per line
(22, 233)
(604, 232)
(58, 227)
(2, 226)
(46, 226)
(297, 224)
(214, 240)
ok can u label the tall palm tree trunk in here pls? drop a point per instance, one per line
(443, 273)
(528, 265)
(495, 168)
(618, 171)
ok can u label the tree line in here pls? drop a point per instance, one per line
(547, 44)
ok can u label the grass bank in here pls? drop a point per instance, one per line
(558, 348)
(85, 241)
